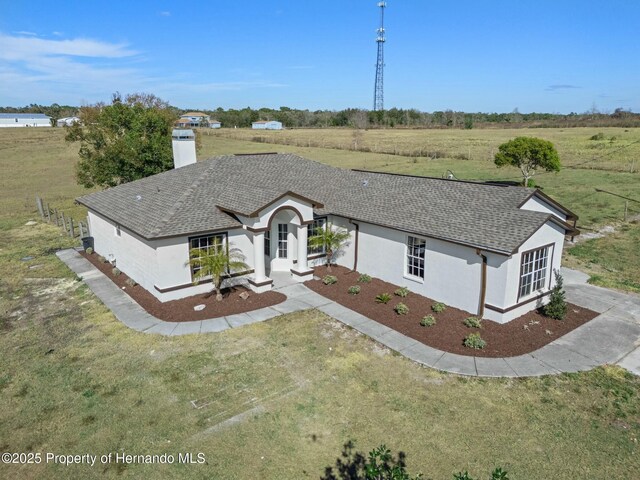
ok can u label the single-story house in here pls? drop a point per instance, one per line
(193, 119)
(214, 124)
(267, 125)
(67, 121)
(488, 249)
(8, 120)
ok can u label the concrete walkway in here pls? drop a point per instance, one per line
(612, 337)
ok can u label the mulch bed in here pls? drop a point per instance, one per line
(522, 335)
(182, 310)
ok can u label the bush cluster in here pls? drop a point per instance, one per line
(116, 272)
(364, 278)
(402, 292)
(401, 309)
(383, 298)
(473, 322)
(474, 340)
(354, 289)
(329, 279)
(438, 307)
(428, 321)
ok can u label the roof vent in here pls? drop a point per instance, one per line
(365, 183)
(138, 197)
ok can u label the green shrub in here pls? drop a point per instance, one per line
(364, 278)
(474, 340)
(383, 298)
(354, 289)
(402, 292)
(131, 282)
(438, 307)
(473, 322)
(401, 309)
(428, 321)
(557, 306)
(101, 259)
(597, 136)
(89, 250)
(116, 272)
(329, 279)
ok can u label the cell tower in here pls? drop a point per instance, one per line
(378, 94)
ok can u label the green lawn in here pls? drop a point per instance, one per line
(279, 399)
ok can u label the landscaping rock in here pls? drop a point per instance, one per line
(31, 223)
(199, 308)
(244, 295)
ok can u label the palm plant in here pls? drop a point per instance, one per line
(331, 239)
(216, 263)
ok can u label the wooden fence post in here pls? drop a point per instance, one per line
(40, 207)
(64, 222)
(48, 214)
(626, 209)
(71, 229)
(55, 210)
(80, 226)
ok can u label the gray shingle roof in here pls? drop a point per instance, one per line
(185, 201)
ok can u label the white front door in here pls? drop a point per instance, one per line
(282, 247)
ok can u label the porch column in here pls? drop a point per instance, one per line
(259, 283)
(301, 271)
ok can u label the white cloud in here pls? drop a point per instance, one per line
(24, 32)
(14, 48)
(164, 14)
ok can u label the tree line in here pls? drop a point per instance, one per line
(394, 117)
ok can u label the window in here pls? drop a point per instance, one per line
(118, 232)
(283, 230)
(205, 244)
(533, 271)
(415, 257)
(313, 229)
(267, 243)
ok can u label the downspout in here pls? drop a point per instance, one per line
(355, 255)
(483, 283)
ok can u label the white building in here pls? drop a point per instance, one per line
(193, 119)
(214, 124)
(490, 250)
(267, 125)
(8, 120)
(67, 121)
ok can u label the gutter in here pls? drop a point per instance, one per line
(355, 255)
(483, 283)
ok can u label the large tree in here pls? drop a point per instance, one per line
(124, 141)
(528, 154)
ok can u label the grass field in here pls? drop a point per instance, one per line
(279, 399)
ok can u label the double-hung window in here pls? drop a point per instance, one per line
(313, 229)
(415, 256)
(205, 245)
(283, 231)
(533, 271)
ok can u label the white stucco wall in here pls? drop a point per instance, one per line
(549, 233)
(134, 255)
(539, 205)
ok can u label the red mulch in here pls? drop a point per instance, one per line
(522, 335)
(182, 310)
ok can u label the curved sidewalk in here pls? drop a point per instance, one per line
(612, 337)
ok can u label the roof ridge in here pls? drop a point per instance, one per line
(488, 183)
(180, 201)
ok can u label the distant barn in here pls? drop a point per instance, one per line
(67, 121)
(267, 125)
(8, 120)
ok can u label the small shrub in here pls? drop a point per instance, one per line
(597, 136)
(557, 306)
(438, 307)
(474, 340)
(116, 272)
(383, 298)
(364, 278)
(428, 321)
(131, 282)
(354, 290)
(401, 309)
(89, 251)
(531, 183)
(402, 292)
(329, 279)
(101, 259)
(473, 322)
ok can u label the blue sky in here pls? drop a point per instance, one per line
(472, 55)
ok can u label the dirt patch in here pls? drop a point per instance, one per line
(522, 335)
(182, 310)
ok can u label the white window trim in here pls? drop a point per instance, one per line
(225, 240)
(547, 273)
(406, 273)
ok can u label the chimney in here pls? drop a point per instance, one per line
(184, 147)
